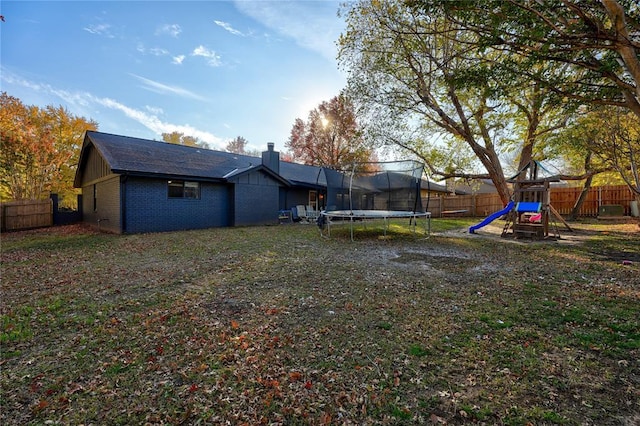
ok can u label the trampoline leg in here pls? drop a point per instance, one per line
(351, 227)
(427, 224)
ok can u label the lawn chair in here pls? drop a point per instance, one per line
(285, 216)
(302, 213)
(312, 214)
(294, 215)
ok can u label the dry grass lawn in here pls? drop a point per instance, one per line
(276, 325)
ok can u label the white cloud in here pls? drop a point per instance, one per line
(155, 51)
(153, 123)
(161, 88)
(212, 58)
(227, 26)
(158, 51)
(99, 29)
(312, 25)
(178, 59)
(172, 30)
(84, 103)
(154, 110)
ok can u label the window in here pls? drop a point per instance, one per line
(183, 189)
(313, 199)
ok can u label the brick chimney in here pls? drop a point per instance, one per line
(271, 158)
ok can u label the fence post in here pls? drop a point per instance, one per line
(599, 198)
(54, 202)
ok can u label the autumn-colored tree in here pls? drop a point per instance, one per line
(180, 138)
(331, 137)
(237, 145)
(40, 149)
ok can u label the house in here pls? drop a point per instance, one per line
(471, 186)
(132, 185)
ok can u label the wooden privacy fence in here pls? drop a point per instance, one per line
(464, 205)
(562, 199)
(26, 214)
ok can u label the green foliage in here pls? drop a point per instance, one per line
(439, 93)
(588, 40)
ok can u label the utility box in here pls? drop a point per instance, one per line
(611, 210)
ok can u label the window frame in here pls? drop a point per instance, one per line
(178, 189)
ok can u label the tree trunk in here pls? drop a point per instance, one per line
(627, 52)
(583, 195)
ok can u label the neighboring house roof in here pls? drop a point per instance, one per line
(477, 186)
(433, 187)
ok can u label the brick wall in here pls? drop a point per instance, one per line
(105, 211)
(149, 209)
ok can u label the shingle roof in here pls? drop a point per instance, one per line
(142, 156)
(129, 155)
(302, 174)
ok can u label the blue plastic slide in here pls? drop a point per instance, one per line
(492, 217)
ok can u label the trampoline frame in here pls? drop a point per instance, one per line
(363, 215)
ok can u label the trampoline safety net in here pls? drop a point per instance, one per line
(388, 186)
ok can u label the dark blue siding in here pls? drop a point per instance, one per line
(297, 197)
(256, 204)
(149, 209)
(256, 199)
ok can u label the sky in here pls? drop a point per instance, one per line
(214, 70)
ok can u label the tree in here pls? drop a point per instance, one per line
(40, 149)
(598, 42)
(330, 137)
(573, 148)
(617, 145)
(68, 132)
(237, 145)
(180, 138)
(427, 82)
(421, 80)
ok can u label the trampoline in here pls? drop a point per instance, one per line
(368, 191)
(385, 215)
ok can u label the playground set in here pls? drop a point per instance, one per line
(529, 213)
